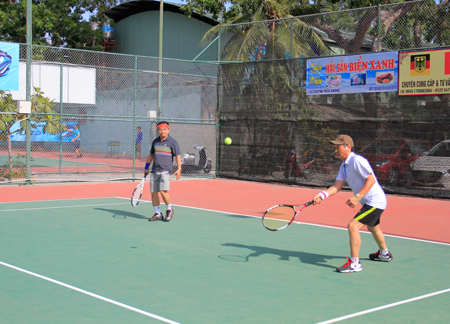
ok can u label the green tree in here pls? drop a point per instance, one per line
(41, 111)
(59, 23)
(267, 33)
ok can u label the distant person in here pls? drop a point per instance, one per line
(76, 140)
(357, 172)
(163, 149)
(138, 141)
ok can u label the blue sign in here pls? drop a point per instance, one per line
(377, 72)
(38, 134)
(9, 66)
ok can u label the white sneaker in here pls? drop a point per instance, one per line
(350, 266)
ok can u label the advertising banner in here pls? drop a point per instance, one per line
(424, 73)
(38, 134)
(9, 66)
(375, 72)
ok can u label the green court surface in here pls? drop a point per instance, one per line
(42, 162)
(101, 261)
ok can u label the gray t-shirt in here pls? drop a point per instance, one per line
(163, 153)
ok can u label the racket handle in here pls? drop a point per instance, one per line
(309, 203)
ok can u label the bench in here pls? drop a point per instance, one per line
(113, 148)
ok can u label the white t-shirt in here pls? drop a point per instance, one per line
(355, 170)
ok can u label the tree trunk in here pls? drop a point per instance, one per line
(372, 104)
(417, 37)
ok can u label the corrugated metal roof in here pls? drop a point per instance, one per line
(129, 8)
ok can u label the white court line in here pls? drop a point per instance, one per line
(222, 212)
(309, 224)
(69, 199)
(217, 211)
(41, 208)
(134, 309)
(338, 319)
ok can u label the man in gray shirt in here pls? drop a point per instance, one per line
(164, 148)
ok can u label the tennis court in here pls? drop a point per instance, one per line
(51, 162)
(99, 260)
(39, 162)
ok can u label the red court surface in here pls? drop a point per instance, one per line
(421, 218)
(91, 162)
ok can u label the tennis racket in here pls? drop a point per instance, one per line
(137, 193)
(281, 216)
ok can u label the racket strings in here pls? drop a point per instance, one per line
(136, 196)
(278, 217)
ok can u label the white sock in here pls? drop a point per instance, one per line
(157, 210)
(385, 252)
(354, 260)
(169, 207)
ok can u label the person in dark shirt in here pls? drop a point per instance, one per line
(163, 149)
(138, 141)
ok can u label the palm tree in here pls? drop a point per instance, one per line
(265, 29)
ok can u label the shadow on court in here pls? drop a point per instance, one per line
(237, 216)
(285, 255)
(121, 214)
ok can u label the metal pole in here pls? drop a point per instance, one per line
(205, 48)
(61, 69)
(134, 116)
(28, 88)
(161, 16)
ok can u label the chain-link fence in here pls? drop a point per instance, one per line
(407, 25)
(279, 134)
(108, 97)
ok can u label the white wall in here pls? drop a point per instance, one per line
(78, 82)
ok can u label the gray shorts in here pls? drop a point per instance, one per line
(159, 181)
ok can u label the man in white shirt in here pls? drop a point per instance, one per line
(357, 172)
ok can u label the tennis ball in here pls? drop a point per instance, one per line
(228, 141)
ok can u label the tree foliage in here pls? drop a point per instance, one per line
(55, 22)
(273, 35)
(403, 24)
(41, 111)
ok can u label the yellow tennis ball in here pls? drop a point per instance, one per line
(228, 141)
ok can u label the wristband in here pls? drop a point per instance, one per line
(146, 166)
(323, 195)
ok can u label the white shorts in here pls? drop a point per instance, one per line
(159, 181)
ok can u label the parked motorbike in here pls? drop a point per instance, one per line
(188, 164)
(293, 169)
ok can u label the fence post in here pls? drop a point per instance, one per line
(61, 80)
(28, 86)
(134, 116)
(160, 62)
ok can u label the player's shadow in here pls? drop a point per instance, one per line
(286, 255)
(121, 214)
